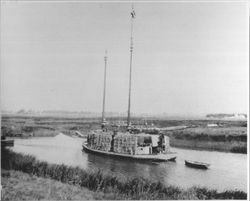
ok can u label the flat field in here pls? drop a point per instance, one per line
(219, 135)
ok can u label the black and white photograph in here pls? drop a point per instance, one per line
(124, 100)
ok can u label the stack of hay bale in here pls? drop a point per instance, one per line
(100, 141)
(125, 143)
(167, 144)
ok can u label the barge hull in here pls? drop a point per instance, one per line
(150, 158)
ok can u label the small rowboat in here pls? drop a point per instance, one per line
(195, 164)
(155, 163)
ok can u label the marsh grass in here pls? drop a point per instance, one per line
(17, 185)
(239, 149)
(234, 146)
(132, 188)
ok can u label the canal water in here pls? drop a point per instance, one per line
(228, 171)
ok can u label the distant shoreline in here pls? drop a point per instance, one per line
(122, 116)
(211, 135)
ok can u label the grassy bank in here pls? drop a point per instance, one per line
(234, 147)
(226, 139)
(220, 134)
(17, 185)
(136, 188)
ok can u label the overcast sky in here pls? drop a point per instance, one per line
(189, 58)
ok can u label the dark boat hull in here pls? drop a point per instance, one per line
(7, 143)
(196, 165)
(148, 158)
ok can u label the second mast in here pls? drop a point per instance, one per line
(130, 69)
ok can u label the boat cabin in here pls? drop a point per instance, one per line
(152, 144)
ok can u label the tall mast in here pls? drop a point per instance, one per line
(104, 90)
(130, 70)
